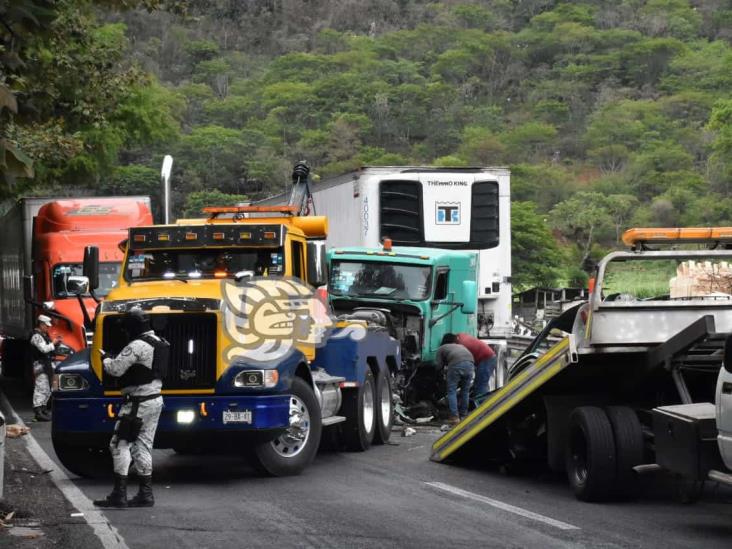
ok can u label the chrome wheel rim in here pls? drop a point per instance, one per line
(368, 407)
(385, 404)
(290, 443)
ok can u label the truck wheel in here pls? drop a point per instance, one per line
(628, 436)
(294, 449)
(84, 462)
(384, 408)
(359, 408)
(591, 454)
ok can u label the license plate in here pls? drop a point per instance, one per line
(245, 416)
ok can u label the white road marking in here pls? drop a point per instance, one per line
(107, 534)
(503, 506)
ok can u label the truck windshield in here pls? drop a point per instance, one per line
(203, 263)
(380, 280)
(108, 275)
(667, 279)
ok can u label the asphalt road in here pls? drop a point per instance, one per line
(393, 496)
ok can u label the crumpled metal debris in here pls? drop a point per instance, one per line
(408, 432)
(421, 412)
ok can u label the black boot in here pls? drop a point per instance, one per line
(144, 497)
(118, 497)
(41, 414)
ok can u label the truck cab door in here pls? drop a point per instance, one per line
(724, 409)
(440, 306)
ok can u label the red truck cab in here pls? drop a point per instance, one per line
(42, 242)
(61, 231)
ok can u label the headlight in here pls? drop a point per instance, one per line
(72, 382)
(185, 416)
(257, 378)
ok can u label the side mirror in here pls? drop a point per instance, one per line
(469, 297)
(123, 246)
(91, 266)
(317, 263)
(728, 353)
(77, 285)
(28, 284)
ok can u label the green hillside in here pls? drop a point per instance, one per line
(610, 114)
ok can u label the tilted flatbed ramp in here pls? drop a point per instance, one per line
(546, 367)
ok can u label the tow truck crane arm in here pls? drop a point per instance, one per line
(301, 198)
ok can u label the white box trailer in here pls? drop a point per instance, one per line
(454, 208)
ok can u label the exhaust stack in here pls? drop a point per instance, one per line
(165, 181)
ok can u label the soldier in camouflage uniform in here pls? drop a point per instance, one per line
(42, 348)
(142, 400)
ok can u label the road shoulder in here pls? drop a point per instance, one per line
(41, 516)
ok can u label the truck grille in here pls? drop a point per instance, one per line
(192, 338)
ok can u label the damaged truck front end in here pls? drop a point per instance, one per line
(419, 295)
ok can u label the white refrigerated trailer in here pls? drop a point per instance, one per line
(454, 208)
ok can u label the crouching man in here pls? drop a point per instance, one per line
(140, 367)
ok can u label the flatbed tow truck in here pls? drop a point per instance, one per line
(629, 385)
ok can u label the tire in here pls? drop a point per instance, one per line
(84, 462)
(590, 459)
(628, 436)
(359, 406)
(384, 408)
(293, 450)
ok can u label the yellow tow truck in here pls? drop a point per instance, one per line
(258, 365)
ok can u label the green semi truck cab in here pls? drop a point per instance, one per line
(419, 294)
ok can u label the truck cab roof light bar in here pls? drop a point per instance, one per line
(634, 237)
(215, 211)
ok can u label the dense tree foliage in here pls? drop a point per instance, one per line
(609, 113)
